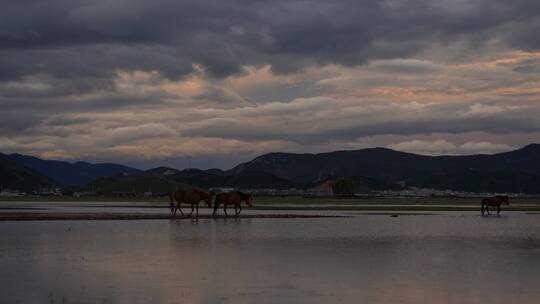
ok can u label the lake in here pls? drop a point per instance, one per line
(448, 257)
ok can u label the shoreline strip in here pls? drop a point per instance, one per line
(63, 216)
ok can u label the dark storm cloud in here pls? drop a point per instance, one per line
(75, 38)
(171, 78)
(16, 122)
(82, 62)
(67, 121)
(108, 103)
(266, 123)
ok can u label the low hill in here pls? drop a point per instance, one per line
(370, 169)
(512, 171)
(248, 179)
(155, 180)
(127, 185)
(161, 180)
(378, 163)
(17, 177)
(70, 174)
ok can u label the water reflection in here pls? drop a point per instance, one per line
(451, 258)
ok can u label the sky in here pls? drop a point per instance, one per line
(213, 83)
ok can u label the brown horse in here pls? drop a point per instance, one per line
(496, 200)
(232, 198)
(191, 196)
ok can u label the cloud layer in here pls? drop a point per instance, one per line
(146, 81)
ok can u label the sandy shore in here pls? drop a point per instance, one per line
(50, 216)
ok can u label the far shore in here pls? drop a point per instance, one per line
(281, 200)
(62, 216)
(38, 206)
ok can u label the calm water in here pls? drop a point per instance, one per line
(446, 258)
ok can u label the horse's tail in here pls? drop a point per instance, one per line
(171, 200)
(482, 204)
(249, 200)
(217, 200)
(171, 197)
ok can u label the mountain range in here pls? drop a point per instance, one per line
(69, 174)
(15, 176)
(370, 169)
(514, 171)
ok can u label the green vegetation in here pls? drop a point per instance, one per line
(343, 187)
(97, 199)
(390, 208)
(139, 185)
(313, 203)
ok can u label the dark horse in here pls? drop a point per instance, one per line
(496, 200)
(191, 196)
(232, 198)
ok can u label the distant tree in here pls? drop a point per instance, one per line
(68, 192)
(343, 187)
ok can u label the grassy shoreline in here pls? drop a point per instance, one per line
(92, 216)
(297, 203)
(283, 200)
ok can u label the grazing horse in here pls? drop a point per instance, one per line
(496, 200)
(191, 196)
(232, 198)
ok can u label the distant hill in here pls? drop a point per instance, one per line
(370, 169)
(513, 171)
(18, 177)
(378, 163)
(247, 179)
(154, 180)
(70, 174)
(216, 171)
(162, 179)
(161, 172)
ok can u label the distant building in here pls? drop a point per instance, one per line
(49, 191)
(11, 193)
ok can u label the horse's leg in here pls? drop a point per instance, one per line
(180, 208)
(482, 209)
(498, 209)
(239, 208)
(171, 202)
(225, 209)
(487, 209)
(197, 210)
(235, 210)
(192, 208)
(216, 205)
